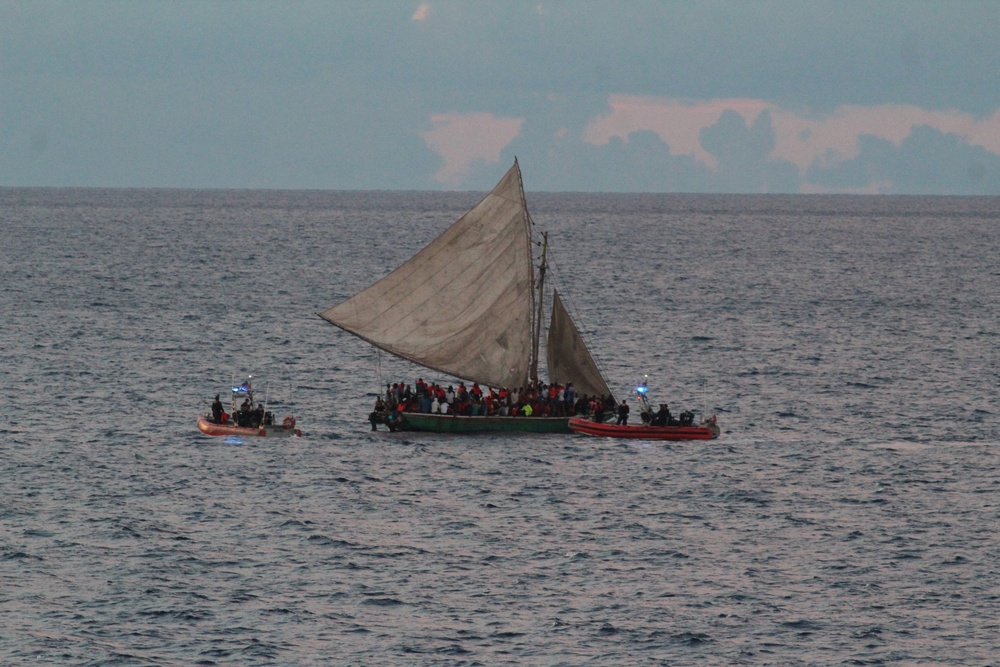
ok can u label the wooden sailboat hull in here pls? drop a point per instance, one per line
(272, 431)
(706, 431)
(431, 423)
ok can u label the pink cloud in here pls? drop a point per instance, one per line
(421, 12)
(799, 139)
(462, 139)
(677, 122)
(804, 141)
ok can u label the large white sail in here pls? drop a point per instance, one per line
(463, 305)
(567, 355)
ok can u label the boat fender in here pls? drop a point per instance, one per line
(262, 433)
(289, 422)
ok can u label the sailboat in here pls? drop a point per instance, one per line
(467, 305)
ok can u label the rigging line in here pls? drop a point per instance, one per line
(378, 370)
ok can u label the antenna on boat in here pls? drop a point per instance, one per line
(642, 399)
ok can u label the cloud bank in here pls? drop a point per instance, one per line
(751, 145)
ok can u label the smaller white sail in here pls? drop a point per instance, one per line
(568, 358)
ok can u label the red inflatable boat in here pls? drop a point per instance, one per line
(707, 430)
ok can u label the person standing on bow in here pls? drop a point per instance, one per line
(216, 410)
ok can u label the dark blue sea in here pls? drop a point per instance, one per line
(847, 515)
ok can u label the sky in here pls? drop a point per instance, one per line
(781, 96)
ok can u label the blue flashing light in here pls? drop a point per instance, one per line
(641, 389)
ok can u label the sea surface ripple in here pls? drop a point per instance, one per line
(847, 514)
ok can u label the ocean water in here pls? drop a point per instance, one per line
(847, 515)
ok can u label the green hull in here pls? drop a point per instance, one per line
(415, 421)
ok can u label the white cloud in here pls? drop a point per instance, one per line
(463, 139)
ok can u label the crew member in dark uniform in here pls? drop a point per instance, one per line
(622, 414)
(662, 417)
(378, 414)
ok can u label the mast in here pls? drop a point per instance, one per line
(541, 303)
(536, 324)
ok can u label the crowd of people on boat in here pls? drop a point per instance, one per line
(534, 400)
(246, 416)
(662, 417)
